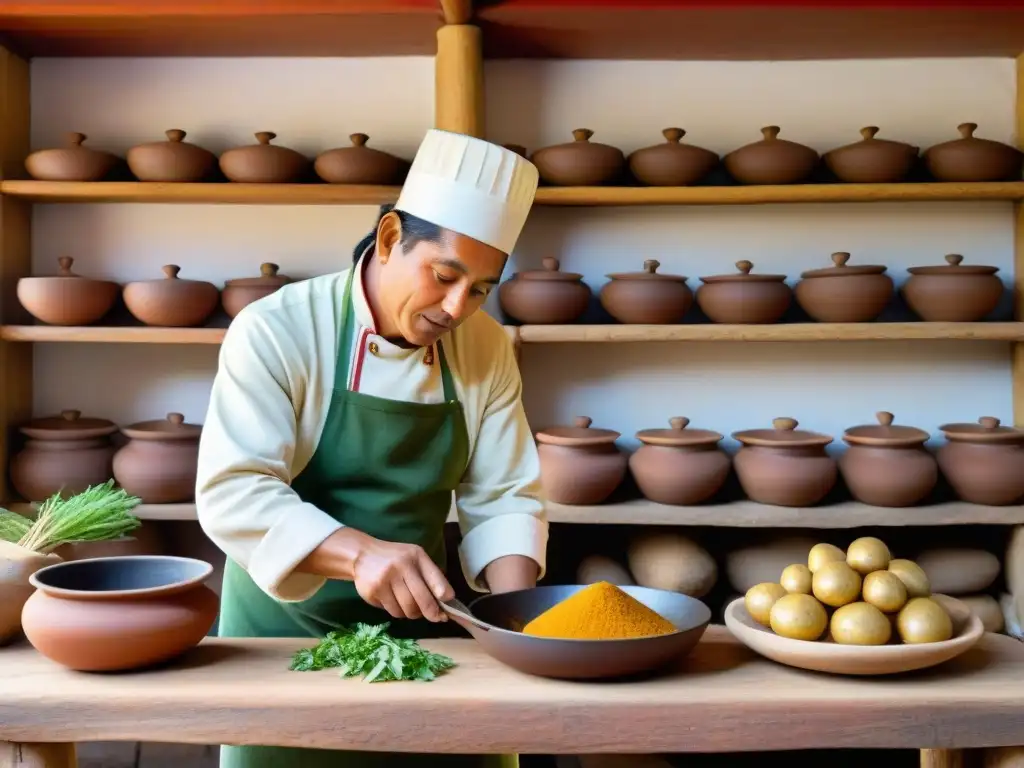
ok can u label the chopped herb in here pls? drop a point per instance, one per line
(371, 652)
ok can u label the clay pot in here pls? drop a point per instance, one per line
(743, 298)
(264, 163)
(17, 565)
(672, 164)
(171, 302)
(887, 465)
(243, 291)
(984, 462)
(972, 159)
(771, 160)
(679, 466)
(646, 297)
(784, 466)
(359, 164)
(953, 293)
(174, 160)
(67, 298)
(545, 296)
(578, 464)
(871, 160)
(119, 613)
(72, 162)
(579, 163)
(63, 454)
(160, 460)
(844, 294)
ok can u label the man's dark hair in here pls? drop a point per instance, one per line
(414, 230)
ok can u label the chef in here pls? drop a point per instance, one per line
(349, 409)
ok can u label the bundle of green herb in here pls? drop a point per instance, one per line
(13, 526)
(373, 653)
(99, 513)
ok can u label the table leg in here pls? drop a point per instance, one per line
(942, 758)
(30, 755)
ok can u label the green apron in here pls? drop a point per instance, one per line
(387, 468)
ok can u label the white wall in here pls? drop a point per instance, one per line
(314, 104)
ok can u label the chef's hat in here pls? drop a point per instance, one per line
(470, 186)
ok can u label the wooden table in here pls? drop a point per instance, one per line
(723, 698)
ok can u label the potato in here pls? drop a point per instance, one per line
(913, 577)
(868, 554)
(885, 591)
(759, 601)
(923, 620)
(798, 617)
(667, 560)
(860, 624)
(836, 584)
(796, 578)
(823, 553)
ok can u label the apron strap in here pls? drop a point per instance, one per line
(447, 382)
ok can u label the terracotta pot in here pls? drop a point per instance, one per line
(771, 160)
(672, 164)
(579, 163)
(679, 466)
(784, 466)
(171, 302)
(64, 454)
(67, 298)
(953, 293)
(243, 291)
(17, 564)
(984, 462)
(174, 160)
(887, 465)
(646, 297)
(545, 296)
(844, 294)
(871, 160)
(119, 613)
(359, 164)
(743, 298)
(263, 162)
(72, 162)
(580, 465)
(159, 462)
(972, 159)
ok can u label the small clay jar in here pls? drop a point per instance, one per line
(844, 294)
(579, 464)
(579, 163)
(359, 164)
(263, 162)
(743, 298)
(72, 162)
(984, 462)
(67, 298)
(953, 293)
(243, 291)
(63, 454)
(784, 466)
(545, 296)
(871, 160)
(887, 465)
(972, 159)
(646, 297)
(672, 163)
(174, 160)
(159, 462)
(771, 160)
(171, 302)
(679, 466)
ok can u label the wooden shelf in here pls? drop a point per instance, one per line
(226, 193)
(111, 335)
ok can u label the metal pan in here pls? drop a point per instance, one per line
(496, 621)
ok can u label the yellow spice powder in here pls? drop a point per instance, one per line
(601, 611)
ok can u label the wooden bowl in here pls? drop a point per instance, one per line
(827, 656)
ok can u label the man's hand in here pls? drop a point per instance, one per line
(511, 573)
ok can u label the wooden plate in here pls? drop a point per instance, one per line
(827, 656)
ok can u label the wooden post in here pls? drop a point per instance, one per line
(1013, 565)
(14, 755)
(459, 80)
(942, 758)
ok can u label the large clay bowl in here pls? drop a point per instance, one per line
(119, 613)
(823, 656)
(495, 621)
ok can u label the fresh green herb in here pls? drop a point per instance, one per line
(13, 526)
(99, 513)
(371, 652)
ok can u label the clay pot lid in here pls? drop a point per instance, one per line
(987, 430)
(64, 271)
(868, 139)
(967, 138)
(885, 433)
(173, 427)
(550, 272)
(580, 434)
(580, 138)
(69, 425)
(954, 266)
(649, 273)
(678, 434)
(170, 273)
(268, 277)
(785, 433)
(840, 259)
(744, 268)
